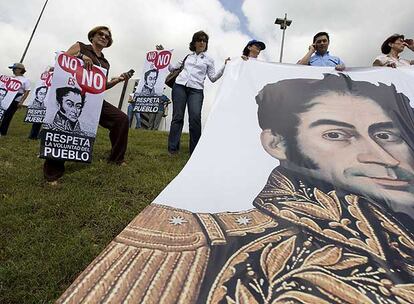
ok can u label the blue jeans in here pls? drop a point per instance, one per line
(183, 96)
(130, 117)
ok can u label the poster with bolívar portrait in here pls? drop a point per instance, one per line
(151, 86)
(36, 108)
(73, 108)
(305, 194)
(9, 87)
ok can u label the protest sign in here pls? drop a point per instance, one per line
(300, 190)
(36, 108)
(9, 88)
(151, 86)
(73, 109)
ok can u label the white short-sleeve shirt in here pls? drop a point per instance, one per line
(387, 59)
(25, 86)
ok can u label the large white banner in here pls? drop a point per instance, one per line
(73, 108)
(152, 82)
(9, 88)
(300, 190)
(36, 108)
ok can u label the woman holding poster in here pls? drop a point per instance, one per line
(111, 117)
(188, 90)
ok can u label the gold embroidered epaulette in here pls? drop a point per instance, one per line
(160, 257)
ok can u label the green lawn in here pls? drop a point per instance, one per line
(48, 235)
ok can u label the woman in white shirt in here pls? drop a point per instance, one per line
(188, 90)
(391, 48)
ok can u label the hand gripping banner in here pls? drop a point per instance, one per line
(301, 190)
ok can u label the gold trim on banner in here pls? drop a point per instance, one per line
(150, 261)
(213, 230)
(243, 222)
(218, 290)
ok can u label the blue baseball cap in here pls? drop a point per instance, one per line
(17, 65)
(257, 42)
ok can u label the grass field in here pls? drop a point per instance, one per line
(48, 235)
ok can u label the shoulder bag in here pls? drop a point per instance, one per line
(170, 79)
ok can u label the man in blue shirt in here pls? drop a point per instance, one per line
(318, 54)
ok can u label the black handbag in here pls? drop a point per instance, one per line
(170, 79)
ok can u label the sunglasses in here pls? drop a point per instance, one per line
(102, 34)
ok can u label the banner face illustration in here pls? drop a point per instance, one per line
(151, 86)
(36, 108)
(300, 190)
(73, 108)
(9, 88)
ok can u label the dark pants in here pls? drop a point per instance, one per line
(116, 122)
(154, 120)
(7, 117)
(181, 97)
(34, 131)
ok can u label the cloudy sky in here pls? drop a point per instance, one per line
(357, 28)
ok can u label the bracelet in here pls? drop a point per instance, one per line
(80, 56)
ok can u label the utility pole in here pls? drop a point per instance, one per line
(34, 30)
(284, 23)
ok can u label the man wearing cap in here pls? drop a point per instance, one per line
(391, 49)
(318, 54)
(18, 72)
(253, 49)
